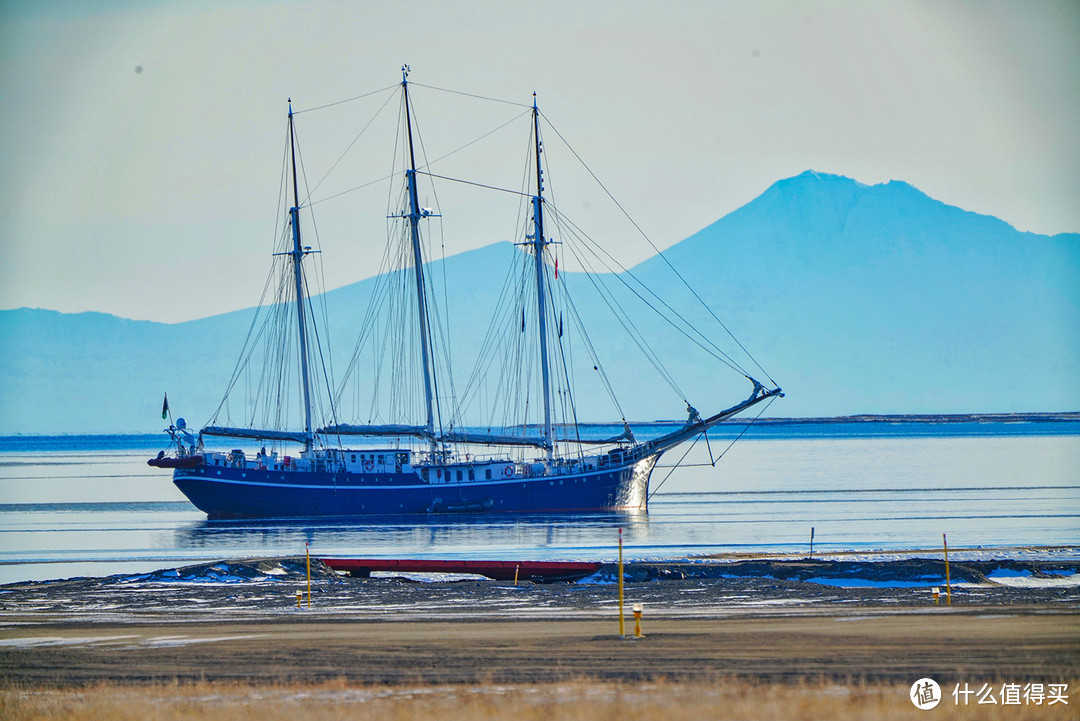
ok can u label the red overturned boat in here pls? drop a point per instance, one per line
(538, 571)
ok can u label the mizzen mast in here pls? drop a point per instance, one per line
(418, 264)
(538, 243)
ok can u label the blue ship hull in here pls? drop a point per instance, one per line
(227, 492)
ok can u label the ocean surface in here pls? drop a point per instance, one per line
(90, 506)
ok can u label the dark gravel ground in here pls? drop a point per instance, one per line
(258, 588)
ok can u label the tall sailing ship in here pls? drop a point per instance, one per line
(434, 463)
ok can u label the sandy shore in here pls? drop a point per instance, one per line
(247, 628)
(1026, 643)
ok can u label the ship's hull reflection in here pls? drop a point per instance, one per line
(475, 536)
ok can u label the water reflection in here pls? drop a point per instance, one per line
(99, 509)
(489, 536)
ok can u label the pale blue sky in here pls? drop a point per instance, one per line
(152, 194)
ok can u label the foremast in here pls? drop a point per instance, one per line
(297, 254)
(539, 242)
(418, 265)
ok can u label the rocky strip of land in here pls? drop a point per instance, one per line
(256, 589)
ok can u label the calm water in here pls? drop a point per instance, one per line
(91, 506)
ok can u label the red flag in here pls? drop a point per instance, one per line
(556, 267)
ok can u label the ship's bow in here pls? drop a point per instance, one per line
(633, 491)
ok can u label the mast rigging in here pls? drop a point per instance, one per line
(298, 253)
(418, 265)
(539, 242)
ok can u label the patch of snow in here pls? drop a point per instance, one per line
(188, 640)
(1071, 581)
(424, 577)
(872, 583)
(598, 579)
(33, 641)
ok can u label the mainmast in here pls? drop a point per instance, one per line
(418, 264)
(538, 254)
(298, 253)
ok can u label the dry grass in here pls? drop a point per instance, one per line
(595, 701)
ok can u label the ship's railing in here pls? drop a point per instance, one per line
(273, 462)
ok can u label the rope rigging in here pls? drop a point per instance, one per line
(701, 340)
(658, 251)
(382, 377)
(690, 447)
(277, 336)
(347, 100)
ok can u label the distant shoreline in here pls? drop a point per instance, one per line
(1032, 417)
(863, 418)
(1037, 417)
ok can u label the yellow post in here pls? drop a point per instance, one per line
(622, 628)
(948, 586)
(299, 595)
(516, 569)
(307, 550)
(638, 608)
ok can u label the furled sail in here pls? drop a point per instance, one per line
(256, 433)
(494, 439)
(393, 429)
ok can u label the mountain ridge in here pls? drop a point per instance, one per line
(857, 298)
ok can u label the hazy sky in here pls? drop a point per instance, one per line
(142, 141)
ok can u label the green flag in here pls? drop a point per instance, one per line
(165, 407)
